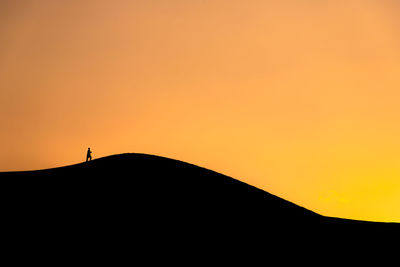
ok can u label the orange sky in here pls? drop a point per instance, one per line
(297, 97)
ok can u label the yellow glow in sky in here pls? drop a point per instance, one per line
(299, 98)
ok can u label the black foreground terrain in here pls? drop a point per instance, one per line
(159, 203)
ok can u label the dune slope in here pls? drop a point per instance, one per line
(148, 197)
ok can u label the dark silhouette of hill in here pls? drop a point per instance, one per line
(147, 200)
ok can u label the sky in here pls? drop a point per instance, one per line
(297, 97)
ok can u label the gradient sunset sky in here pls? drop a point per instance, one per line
(297, 97)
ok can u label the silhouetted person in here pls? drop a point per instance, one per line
(88, 155)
